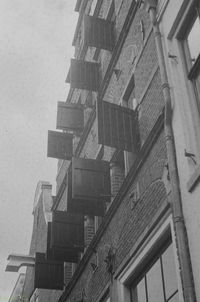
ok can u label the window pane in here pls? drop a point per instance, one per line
(194, 40)
(154, 284)
(139, 293)
(169, 272)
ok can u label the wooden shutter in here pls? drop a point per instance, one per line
(48, 274)
(60, 145)
(67, 230)
(58, 252)
(84, 75)
(117, 127)
(88, 186)
(98, 33)
(70, 117)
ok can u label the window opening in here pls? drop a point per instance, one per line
(158, 282)
(191, 46)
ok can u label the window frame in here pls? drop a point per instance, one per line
(157, 258)
(138, 262)
(192, 70)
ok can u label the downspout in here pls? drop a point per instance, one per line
(176, 203)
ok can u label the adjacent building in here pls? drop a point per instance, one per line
(16, 295)
(42, 215)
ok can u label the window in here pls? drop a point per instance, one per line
(158, 282)
(189, 37)
(130, 101)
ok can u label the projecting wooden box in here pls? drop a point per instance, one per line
(88, 186)
(65, 236)
(48, 274)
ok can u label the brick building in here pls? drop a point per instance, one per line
(121, 223)
(42, 215)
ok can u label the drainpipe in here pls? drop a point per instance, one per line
(176, 203)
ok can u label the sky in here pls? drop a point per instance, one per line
(35, 51)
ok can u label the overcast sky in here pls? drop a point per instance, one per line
(35, 51)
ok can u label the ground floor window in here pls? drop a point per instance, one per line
(158, 282)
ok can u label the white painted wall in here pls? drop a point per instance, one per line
(186, 127)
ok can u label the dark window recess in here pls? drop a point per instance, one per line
(118, 127)
(98, 33)
(70, 117)
(84, 75)
(117, 171)
(88, 186)
(60, 145)
(65, 236)
(129, 89)
(90, 100)
(48, 274)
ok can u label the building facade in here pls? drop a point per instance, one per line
(125, 215)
